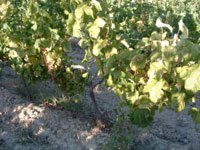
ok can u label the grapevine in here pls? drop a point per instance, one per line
(150, 62)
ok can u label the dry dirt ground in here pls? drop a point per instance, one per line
(28, 124)
(31, 125)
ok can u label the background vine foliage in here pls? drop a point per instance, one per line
(149, 67)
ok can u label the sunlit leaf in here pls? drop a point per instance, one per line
(97, 5)
(155, 89)
(192, 83)
(100, 22)
(110, 80)
(88, 11)
(94, 31)
(132, 97)
(160, 24)
(77, 29)
(183, 29)
(79, 12)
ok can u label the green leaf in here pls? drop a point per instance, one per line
(141, 117)
(144, 102)
(195, 113)
(138, 62)
(178, 100)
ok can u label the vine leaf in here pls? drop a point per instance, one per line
(178, 99)
(183, 29)
(195, 113)
(160, 24)
(110, 80)
(94, 31)
(98, 46)
(100, 22)
(155, 89)
(190, 74)
(88, 11)
(97, 5)
(192, 83)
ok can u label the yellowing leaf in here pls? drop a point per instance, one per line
(3, 9)
(156, 93)
(111, 53)
(77, 29)
(109, 80)
(85, 75)
(94, 31)
(157, 69)
(54, 33)
(70, 22)
(191, 76)
(154, 88)
(12, 44)
(97, 5)
(124, 43)
(160, 24)
(98, 47)
(132, 97)
(100, 22)
(95, 51)
(88, 11)
(193, 82)
(183, 29)
(13, 54)
(34, 26)
(79, 12)
(149, 85)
